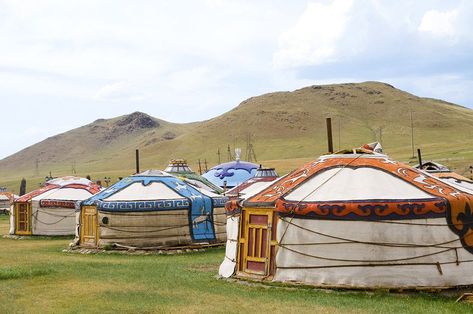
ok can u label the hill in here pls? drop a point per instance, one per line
(286, 128)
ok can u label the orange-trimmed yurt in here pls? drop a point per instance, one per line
(50, 210)
(355, 220)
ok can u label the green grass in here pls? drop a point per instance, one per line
(36, 276)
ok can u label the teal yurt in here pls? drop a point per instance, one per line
(152, 209)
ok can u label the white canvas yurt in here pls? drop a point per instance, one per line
(50, 210)
(150, 210)
(355, 220)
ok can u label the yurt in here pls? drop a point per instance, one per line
(262, 179)
(149, 210)
(353, 220)
(50, 210)
(446, 175)
(230, 174)
(180, 169)
(6, 200)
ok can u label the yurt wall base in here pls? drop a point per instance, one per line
(144, 229)
(53, 221)
(408, 254)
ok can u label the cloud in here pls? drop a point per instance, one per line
(439, 23)
(314, 38)
(121, 91)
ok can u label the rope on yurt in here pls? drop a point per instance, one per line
(372, 243)
(164, 228)
(368, 261)
(416, 223)
(375, 265)
(323, 183)
(35, 216)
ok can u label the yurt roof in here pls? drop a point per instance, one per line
(432, 166)
(362, 187)
(149, 190)
(7, 196)
(251, 187)
(446, 175)
(233, 172)
(66, 188)
(180, 169)
(178, 166)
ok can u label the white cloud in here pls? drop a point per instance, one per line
(314, 38)
(118, 91)
(439, 23)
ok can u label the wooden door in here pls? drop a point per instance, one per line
(257, 243)
(88, 226)
(23, 218)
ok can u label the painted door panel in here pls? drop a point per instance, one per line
(23, 218)
(88, 228)
(256, 243)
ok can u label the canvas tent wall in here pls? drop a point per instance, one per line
(354, 220)
(152, 209)
(180, 169)
(51, 210)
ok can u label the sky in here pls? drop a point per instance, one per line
(64, 64)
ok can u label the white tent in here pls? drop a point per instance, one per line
(354, 220)
(51, 210)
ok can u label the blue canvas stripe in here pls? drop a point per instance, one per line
(141, 206)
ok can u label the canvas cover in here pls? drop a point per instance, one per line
(231, 174)
(53, 206)
(364, 220)
(155, 209)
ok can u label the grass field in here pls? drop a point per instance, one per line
(37, 277)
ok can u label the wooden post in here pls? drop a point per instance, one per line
(137, 161)
(419, 156)
(329, 135)
(200, 168)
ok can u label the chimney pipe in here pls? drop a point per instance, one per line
(137, 161)
(419, 156)
(329, 135)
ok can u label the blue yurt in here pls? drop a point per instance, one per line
(152, 209)
(230, 174)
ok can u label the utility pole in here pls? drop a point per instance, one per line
(339, 133)
(218, 153)
(412, 135)
(37, 167)
(229, 154)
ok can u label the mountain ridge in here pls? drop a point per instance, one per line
(283, 126)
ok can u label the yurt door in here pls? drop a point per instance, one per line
(23, 218)
(88, 228)
(256, 241)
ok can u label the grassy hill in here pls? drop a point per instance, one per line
(287, 129)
